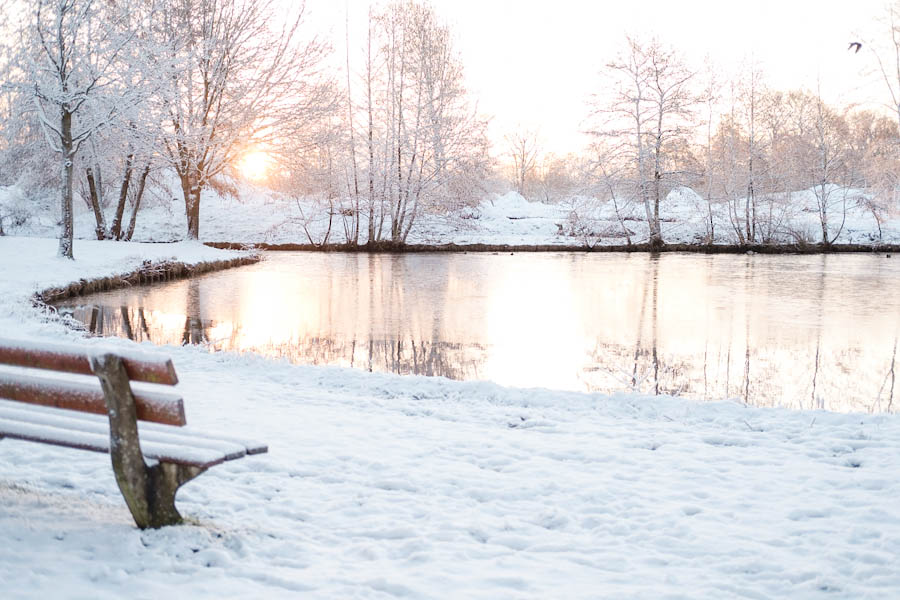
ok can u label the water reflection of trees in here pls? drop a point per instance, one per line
(641, 366)
(890, 379)
(365, 317)
(402, 356)
(812, 375)
(194, 330)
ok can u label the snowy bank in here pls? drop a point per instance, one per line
(261, 216)
(379, 486)
(29, 267)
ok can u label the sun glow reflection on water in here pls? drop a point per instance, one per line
(800, 331)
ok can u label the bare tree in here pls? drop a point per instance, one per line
(352, 234)
(872, 144)
(751, 89)
(23, 156)
(117, 164)
(887, 58)
(9, 95)
(775, 208)
(72, 50)
(523, 148)
(559, 177)
(610, 174)
(432, 151)
(711, 98)
(119, 158)
(234, 79)
(312, 171)
(816, 147)
(650, 111)
(829, 169)
(729, 171)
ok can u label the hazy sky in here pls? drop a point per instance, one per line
(535, 63)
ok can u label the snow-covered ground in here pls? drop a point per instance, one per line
(380, 486)
(260, 215)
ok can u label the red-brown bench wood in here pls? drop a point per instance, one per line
(70, 358)
(158, 407)
(61, 411)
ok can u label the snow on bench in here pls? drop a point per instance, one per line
(159, 407)
(104, 418)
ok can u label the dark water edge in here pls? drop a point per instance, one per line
(392, 248)
(147, 273)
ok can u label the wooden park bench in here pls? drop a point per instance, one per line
(150, 461)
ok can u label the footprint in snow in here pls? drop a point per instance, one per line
(803, 514)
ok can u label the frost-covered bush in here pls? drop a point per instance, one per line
(16, 212)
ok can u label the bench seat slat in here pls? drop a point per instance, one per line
(91, 432)
(85, 440)
(192, 435)
(50, 435)
(160, 407)
(73, 358)
(251, 447)
(67, 419)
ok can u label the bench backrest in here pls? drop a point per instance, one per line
(156, 406)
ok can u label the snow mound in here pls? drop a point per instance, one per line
(513, 205)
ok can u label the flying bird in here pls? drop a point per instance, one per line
(855, 45)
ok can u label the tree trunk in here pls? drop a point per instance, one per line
(67, 232)
(749, 214)
(191, 190)
(656, 241)
(823, 213)
(645, 193)
(95, 204)
(116, 230)
(371, 141)
(137, 203)
(396, 211)
(352, 238)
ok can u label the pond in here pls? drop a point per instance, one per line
(814, 331)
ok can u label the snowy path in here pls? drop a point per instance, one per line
(378, 486)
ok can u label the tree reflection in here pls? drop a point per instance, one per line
(816, 401)
(194, 330)
(748, 283)
(891, 377)
(643, 326)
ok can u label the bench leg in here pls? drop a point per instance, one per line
(149, 492)
(164, 479)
